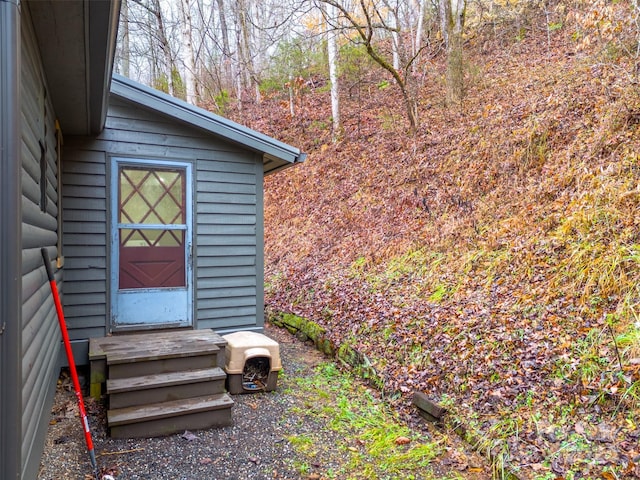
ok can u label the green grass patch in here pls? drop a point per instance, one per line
(368, 429)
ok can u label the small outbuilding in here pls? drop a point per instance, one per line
(163, 218)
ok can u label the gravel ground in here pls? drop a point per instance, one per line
(254, 447)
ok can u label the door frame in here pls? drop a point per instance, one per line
(114, 251)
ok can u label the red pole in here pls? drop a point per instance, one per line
(72, 363)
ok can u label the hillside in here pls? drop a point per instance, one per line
(491, 260)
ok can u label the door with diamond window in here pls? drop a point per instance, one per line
(151, 244)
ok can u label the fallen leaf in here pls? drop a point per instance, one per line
(61, 440)
(630, 468)
(557, 467)
(187, 435)
(205, 461)
(605, 434)
(113, 471)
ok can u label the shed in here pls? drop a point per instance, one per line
(163, 214)
(151, 207)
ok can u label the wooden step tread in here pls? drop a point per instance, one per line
(160, 380)
(155, 346)
(174, 408)
(160, 350)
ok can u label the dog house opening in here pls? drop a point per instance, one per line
(252, 362)
(255, 375)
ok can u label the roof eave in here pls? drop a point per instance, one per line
(102, 45)
(271, 165)
(275, 152)
(77, 40)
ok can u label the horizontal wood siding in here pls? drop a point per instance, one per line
(40, 344)
(227, 189)
(84, 176)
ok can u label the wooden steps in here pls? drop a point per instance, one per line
(175, 416)
(161, 383)
(132, 391)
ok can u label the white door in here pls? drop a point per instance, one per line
(151, 244)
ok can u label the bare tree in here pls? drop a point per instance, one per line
(332, 54)
(150, 25)
(164, 44)
(419, 26)
(125, 50)
(243, 46)
(188, 56)
(212, 46)
(226, 49)
(366, 19)
(214, 66)
(452, 17)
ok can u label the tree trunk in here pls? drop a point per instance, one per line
(332, 52)
(242, 75)
(165, 47)
(455, 69)
(420, 27)
(366, 34)
(452, 16)
(292, 97)
(188, 56)
(245, 47)
(227, 66)
(395, 39)
(125, 52)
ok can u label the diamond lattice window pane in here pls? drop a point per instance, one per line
(169, 211)
(133, 238)
(151, 196)
(170, 238)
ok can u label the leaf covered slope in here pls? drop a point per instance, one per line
(491, 260)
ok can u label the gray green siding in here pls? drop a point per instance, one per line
(227, 225)
(84, 215)
(228, 268)
(40, 344)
